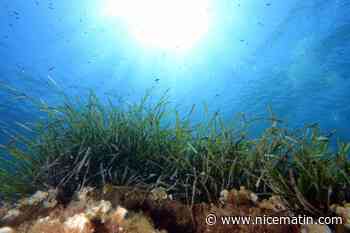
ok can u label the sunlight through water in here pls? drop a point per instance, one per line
(164, 24)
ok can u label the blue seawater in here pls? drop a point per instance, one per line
(292, 55)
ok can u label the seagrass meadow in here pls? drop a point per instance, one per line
(147, 144)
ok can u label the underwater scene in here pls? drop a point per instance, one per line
(174, 116)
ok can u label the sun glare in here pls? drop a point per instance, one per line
(165, 24)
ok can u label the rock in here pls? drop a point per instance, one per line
(117, 220)
(129, 197)
(344, 212)
(44, 220)
(11, 215)
(224, 196)
(246, 196)
(315, 228)
(51, 199)
(238, 197)
(158, 194)
(84, 194)
(138, 223)
(35, 199)
(100, 211)
(39, 204)
(274, 203)
(40, 198)
(79, 223)
(253, 197)
(3, 211)
(47, 225)
(119, 215)
(7, 230)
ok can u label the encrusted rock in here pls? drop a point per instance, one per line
(99, 211)
(79, 223)
(344, 212)
(46, 199)
(11, 215)
(3, 211)
(253, 197)
(84, 194)
(117, 220)
(136, 224)
(51, 200)
(158, 194)
(35, 199)
(119, 215)
(95, 211)
(274, 203)
(44, 220)
(46, 225)
(40, 203)
(224, 196)
(238, 197)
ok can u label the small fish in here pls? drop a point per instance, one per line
(270, 155)
(23, 126)
(291, 139)
(157, 80)
(52, 68)
(52, 81)
(268, 4)
(274, 124)
(322, 139)
(20, 97)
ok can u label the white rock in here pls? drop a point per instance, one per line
(6, 230)
(43, 220)
(253, 197)
(119, 215)
(122, 212)
(79, 223)
(100, 211)
(35, 199)
(51, 201)
(223, 196)
(39, 196)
